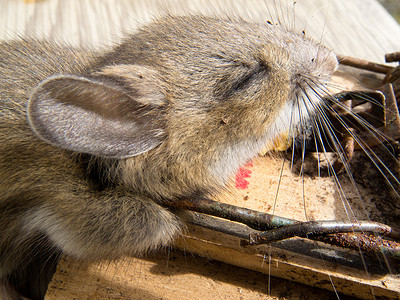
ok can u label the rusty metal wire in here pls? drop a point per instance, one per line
(273, 228)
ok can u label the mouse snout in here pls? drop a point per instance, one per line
(326, 62)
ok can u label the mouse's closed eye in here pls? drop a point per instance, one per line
(235, 82)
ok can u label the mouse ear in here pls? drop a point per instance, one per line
(97, 116)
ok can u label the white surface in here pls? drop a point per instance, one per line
(360, 28)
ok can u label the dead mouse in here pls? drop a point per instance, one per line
(90, 143)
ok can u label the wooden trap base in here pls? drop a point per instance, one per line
(175, 275)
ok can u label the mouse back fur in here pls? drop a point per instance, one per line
(91, 142)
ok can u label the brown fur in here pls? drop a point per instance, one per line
(204, 94)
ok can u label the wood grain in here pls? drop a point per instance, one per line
(360, 28)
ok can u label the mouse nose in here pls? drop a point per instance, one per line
(326, 62)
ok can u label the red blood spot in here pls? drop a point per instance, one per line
(241, 182)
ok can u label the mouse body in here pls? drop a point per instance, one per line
(91, 142)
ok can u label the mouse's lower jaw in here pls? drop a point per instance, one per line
(229, 159)
(296, 116)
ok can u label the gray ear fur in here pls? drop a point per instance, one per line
(96, 116)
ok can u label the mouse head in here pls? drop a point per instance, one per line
(197, 83)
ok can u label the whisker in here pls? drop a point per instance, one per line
(283, 162)
(320, 118)
(337, 147)
(324, 26)
(278, 15)
(362, 122)
(303, 121)
(325, 122)
(365, 147)
(294, 16)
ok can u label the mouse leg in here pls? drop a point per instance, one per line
(27, 265)
(32, 277)
(105, 224)
(91, 225)
(8, 292)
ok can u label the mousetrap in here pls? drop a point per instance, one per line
(327, 254)
(270, 222)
